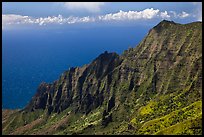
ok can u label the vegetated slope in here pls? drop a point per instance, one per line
(154, 88)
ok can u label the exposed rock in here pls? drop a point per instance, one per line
(161, 76)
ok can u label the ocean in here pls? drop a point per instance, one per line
(30, 57)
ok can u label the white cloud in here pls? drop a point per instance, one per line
(173, 14)
(147, 14)
(164, 15)
(87, 6)
(131, 15)
(183, 14)
(12, 18)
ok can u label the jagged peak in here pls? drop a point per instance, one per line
(110, 53)
(167, 22)
(164, 23)
(106, 55)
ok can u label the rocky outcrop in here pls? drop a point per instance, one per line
(159, 77)
(78, 87)
(148, 65)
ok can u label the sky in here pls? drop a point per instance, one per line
(63, 14)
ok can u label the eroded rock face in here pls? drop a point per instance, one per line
(160, 75)
(78, 87)
(160, 54)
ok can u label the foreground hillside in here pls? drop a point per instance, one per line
(154, 88)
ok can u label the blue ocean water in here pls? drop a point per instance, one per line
(30, 57)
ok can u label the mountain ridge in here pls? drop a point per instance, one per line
(122, 93)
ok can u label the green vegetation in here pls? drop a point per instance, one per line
(154, 88)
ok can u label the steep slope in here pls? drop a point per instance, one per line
(78, 87)
(153, 88)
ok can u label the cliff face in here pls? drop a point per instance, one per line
(155, 86)
(77, 88)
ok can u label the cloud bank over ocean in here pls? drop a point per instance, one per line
(146, 14)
